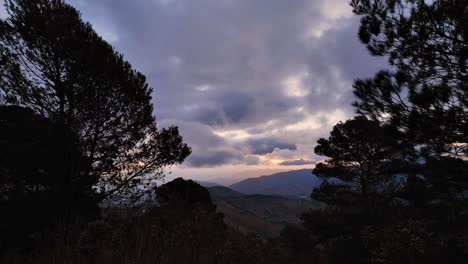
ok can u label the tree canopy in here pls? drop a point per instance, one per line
(407, 154)
(363, 157)
(425, 92)
(58, 66)
(424, 95)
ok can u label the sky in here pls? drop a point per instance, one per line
(251, 84)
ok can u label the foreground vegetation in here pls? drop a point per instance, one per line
(183, 228)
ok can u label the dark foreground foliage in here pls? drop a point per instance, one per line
(184, 228)
(40, 186)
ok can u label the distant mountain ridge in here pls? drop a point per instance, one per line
(298, 183)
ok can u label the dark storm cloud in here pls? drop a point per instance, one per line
(212, 158)
(225, 64)
(234, 108)
(297, 162)
(264, 146)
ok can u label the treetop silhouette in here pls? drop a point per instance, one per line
(57, 65)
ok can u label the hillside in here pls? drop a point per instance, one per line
(207, 184)
(264, 215)
(299, 183)
(221, 192)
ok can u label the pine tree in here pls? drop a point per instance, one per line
(55, 64)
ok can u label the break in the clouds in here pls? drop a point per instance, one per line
(249, 82)
(297, 162)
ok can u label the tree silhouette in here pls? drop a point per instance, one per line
(55, 64)
(40, 176)
(359, 182)
(417, 135)
(426, 93)
(363, 157)
(187, 192)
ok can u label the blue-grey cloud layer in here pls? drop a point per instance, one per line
(219, 65)
(264, 146)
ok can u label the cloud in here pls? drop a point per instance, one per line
(213, 159)
(297, 162)
(241, 78)
(3, 12)
(235, 108)
(264, 146)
